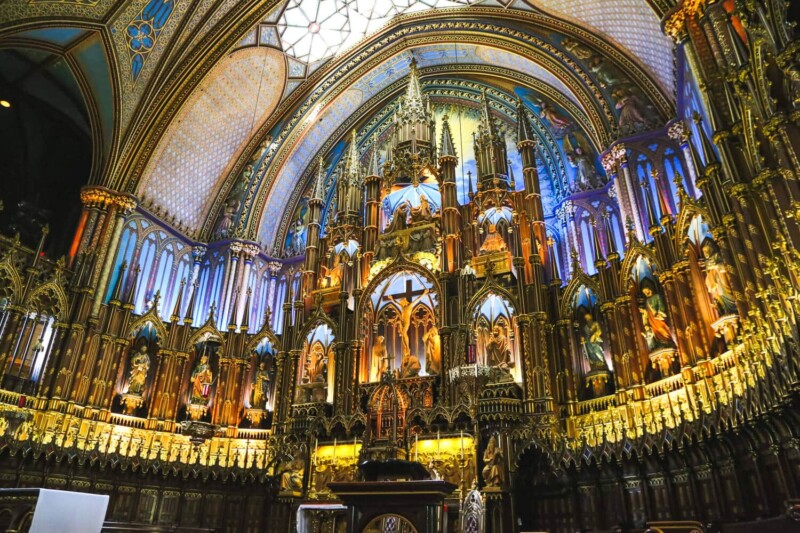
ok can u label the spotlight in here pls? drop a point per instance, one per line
(5, 103)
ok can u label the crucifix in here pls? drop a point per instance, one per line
(406, 305)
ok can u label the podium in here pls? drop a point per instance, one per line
(48, 511)
(394, 489)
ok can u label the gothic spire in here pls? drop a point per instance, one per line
(116, 295)
(176, 311)
(319, 186)
(486, 124)
(375, 166)
(612, 244)
(414, 89)
(524, 127)
(351, 166)
(448, 147)
(709, 155)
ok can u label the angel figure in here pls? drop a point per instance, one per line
(560, 125)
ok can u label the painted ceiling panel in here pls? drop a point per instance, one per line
(631, 23)
(211, 128)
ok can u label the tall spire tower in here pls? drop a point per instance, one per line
(414, 142)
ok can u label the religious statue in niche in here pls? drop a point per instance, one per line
(316, 366)
(399, 218)
(433, 350)
(631, 113)
(140, 365)
(493, 242)
(592, 342)
(422, 213)
(292, 477)
(654, 318)
(498, 352)
(332, 277)
(717, 279)
(381, 360)
(259, 393)
(492, 464)
(201, 380)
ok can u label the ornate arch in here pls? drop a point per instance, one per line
(633, 253)
(10, 280)
(417, 30)
(400, 264)
(49, 298)
(150, 317)
(578, 280)
(489, 287)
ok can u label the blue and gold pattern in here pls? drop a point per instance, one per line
(143, 31)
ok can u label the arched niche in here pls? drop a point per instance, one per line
(315, 375)
(496, 337)
(652, 319)
(592, 340)
(259, 392)
(401, 327)
(711, 281)
(203, 373)
(135, 378)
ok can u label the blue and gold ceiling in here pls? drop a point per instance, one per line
(187, 99)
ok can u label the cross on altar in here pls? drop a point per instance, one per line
(408, 294)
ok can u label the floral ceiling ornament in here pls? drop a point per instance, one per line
(143, 31)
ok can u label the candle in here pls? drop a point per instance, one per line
(316, 449)
(416, 448)
(462, 443)
(22, 400)
(355, 442)
(438, 443)
(334, 450)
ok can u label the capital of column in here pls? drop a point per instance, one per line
(96, 196)
(198, 253)
(620, 153)
(274, 268)
(609, 162)
(678, 132)
(675, 22)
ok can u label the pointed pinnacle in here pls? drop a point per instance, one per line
(524, 127)
(447, 146)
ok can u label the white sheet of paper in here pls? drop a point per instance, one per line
(60, 511)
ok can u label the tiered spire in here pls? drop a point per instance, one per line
(525, 131)
(490, 147)
(319, 186)
(447, 148)
(375, 166)
(352, 167)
